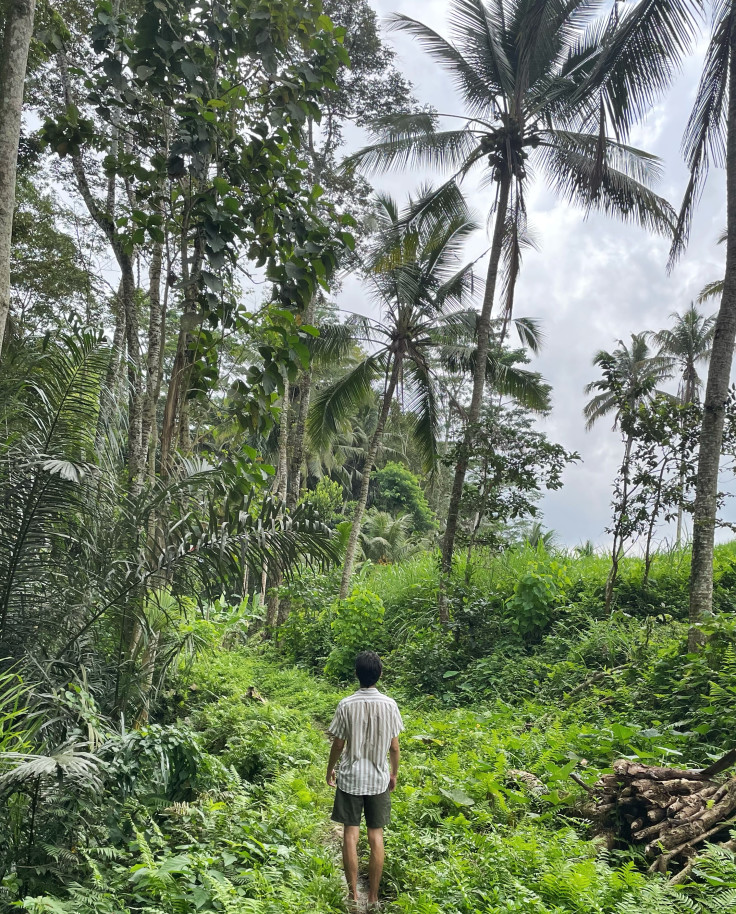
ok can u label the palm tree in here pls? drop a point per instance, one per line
(386, 538)
(657, 34)
(687, 343)
(630, 378)
(530, 75)
(413, 270)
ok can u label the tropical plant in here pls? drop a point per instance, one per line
(530, 76)
(657, 40)
(630, 377)
(79, 554)
(688, 342)
(421, 292)
(394, 488)
(385, 538)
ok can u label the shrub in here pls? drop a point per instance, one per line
(537, 595)
(356, 627)
(396, 489)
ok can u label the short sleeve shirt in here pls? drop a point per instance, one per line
(367, 721)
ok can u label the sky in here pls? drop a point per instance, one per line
(592, 282)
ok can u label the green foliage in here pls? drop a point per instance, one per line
(326, 500)
(394, 488)
(357, 626)
(537, 595)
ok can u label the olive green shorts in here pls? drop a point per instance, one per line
(349, 806)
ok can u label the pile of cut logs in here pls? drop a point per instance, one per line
(671, 811)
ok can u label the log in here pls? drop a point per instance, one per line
(668, 810)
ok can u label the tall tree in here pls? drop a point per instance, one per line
(656, 41)
(17, 16)
(529, 73)
(688, 343)
(413, 269)
(630, 378)
(415, 279)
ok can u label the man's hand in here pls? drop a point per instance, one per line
(335, 752)
(392, 783)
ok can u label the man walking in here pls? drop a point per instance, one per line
(365, 730)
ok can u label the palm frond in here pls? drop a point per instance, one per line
(710, 291)
(401, 140)
(424, 407)
(478, 78)
(704, 142)
(617, 187)
(639, 53)
(338, 402)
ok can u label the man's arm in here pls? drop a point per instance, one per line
(394, 754)
(335, 752)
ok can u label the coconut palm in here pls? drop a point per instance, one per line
(658, 33)
(385, 538)
(414, 275)
(630, 376)
(687, 343)
(530, 75)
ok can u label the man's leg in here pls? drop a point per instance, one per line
(375, 867)
(350, 836)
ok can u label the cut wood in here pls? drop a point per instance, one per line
(668, 810)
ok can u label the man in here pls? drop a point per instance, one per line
(366, 726)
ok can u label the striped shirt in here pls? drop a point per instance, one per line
(367, 720)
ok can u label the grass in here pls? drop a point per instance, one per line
(465, 838)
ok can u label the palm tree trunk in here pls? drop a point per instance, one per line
(18, 30)
(716, 395)
(476, 401)
(299, 428)
(388, 396)
(296, 458)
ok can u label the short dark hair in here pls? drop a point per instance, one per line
(368, 668)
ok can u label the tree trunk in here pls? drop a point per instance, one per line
(174, 394)
(618, 537)
(479, 381)
(299, 428)
(135, 374)
(282, 470)
(352, 546)
(280, 488)
(716, 395)
(153, 357)
(112, 375)
(19, 16)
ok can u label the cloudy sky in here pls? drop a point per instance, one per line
(593, 281)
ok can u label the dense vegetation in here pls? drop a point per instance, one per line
(218, 484)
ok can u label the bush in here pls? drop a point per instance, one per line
(537, 596)
(356, 627)
(396, 489)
